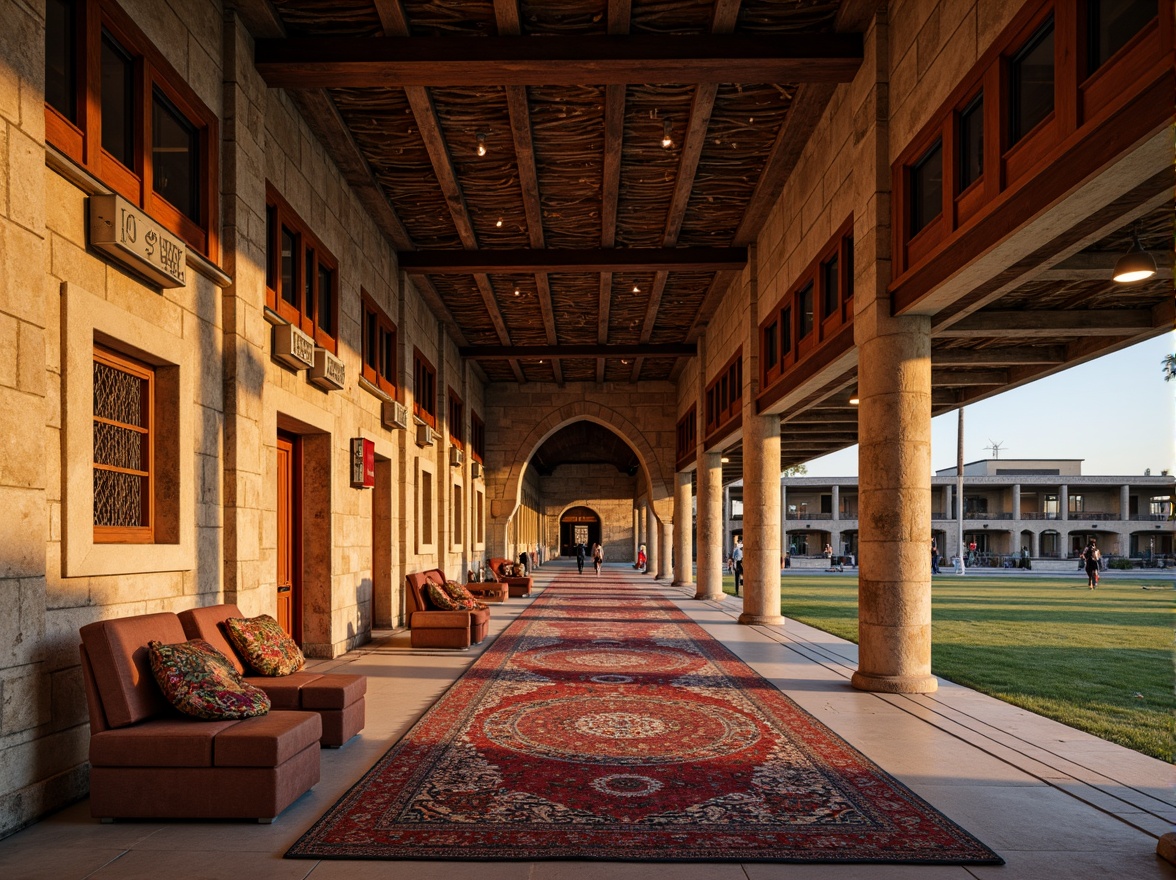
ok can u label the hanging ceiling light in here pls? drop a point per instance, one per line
(1135, 265)
(498, 223)
(667, 141)
(636, 288)
(854, 401)
(481, 144)
(724, 460)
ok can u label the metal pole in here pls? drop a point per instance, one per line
(961, 568)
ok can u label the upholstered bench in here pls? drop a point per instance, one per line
(338, 698)
(488, 592)
(434, 628)
(518, 586)
(149, 761)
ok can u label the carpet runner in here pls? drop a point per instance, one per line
(605, 724)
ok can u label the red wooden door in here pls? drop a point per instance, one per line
(289, 537)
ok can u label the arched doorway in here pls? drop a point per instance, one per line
(578, 525)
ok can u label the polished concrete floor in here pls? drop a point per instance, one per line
(1054, 802)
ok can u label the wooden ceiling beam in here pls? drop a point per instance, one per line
(1098, 266)
(398, 61)
(1042, 322)
(568, 352)
(967, 378)
(1006, 356)
(464, 262)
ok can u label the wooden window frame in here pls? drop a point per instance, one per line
(724, 398)
(82, 141)
(424, 400)
(1126, 97)
(143, 534)
(279, 216)
(687, 438)
(380, 374)
(455, 419)
(477, 438)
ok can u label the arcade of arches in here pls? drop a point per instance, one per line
(555, 294)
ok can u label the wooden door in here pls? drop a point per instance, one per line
(289, 473)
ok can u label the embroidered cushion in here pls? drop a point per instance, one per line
(264, 645)
(462, 596)
(440, 599)
(506, 569)
(200, 681)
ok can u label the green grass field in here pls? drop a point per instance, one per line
(1100, 661)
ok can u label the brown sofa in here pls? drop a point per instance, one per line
(149, 761)
(338, 698)
(519, 586)
(431, 628)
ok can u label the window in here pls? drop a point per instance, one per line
(379, 346)
(456, 420)
(804, 308)
(477, 438)
(1111, 24)
(455, 512)
(424, 389)
(479, 536)
(847, 250)
(1049, 506)
(687, 437)
(724, 395)
(1160, 505)
(1031, 83)
(785, 332)
(771, 345)
(927, 188)
(829, 288)
(115, 106)
(124, 393)
(301, 275)
(426, 501)
(1077, 504)
(971, 142)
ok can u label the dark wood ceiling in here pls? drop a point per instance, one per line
(584, 443)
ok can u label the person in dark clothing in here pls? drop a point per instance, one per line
(581, 554)
(1090, 557)
(525, 562)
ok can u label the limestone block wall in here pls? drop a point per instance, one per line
(603, 489)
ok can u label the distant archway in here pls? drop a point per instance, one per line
(578, 524)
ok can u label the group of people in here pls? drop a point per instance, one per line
(582, 555)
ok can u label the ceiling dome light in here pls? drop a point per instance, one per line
(498, 223)
(1135, 265)
(724, 460)
(853, 401)
(667, 141)
(481, 144)
(636, 288)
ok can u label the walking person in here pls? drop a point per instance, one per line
(597, 558)
(1090, 558)
(580, 554)
(737, 563)
(934, 557)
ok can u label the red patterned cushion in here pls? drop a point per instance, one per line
(461, 595)
(440, 599)
(264, 645)
(200, 681)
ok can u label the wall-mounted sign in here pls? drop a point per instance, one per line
(130, 237)
(328, 372)
(363, 463)
(292, 347)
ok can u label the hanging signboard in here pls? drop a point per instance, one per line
(363, 463)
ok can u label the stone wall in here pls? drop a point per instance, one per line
(603, 489)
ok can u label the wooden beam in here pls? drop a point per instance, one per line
(1028, 324)
(568, 352)
(967, 378)
(514, 260)
(394, 61)
(998, 357)
(1098, 266)
(429, 127)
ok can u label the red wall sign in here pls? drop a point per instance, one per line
(363, 463)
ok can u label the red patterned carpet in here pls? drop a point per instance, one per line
(604, 724)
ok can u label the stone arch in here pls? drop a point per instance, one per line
(650, 464)
(587, 505)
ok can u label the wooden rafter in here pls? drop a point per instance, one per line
(1028, 324)
(998, 357)
(569, 352)
(465, 262)
(347, 62)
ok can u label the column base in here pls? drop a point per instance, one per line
(714, 597)
(748, 619)
(1166, 848)
(686, 584)
(895, 684)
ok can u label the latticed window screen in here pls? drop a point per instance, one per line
(123, 393)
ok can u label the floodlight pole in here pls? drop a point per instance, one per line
(962, 567)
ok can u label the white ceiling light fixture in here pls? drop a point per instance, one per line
(1135, 265)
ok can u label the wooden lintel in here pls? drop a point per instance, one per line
(1024, 324)
(464, 262)
(567, 352)
(396, 61)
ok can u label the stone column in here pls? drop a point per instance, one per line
(1034, 543)
(761, 518)
(666, 543)
(1063, 502)
(1016, 502)
(783, 521)
(636, 533)
(710, 527)
(651, 542)
(1125, 502)
(683, 530)
(836, 504)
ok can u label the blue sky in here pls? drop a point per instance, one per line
(1116, 413)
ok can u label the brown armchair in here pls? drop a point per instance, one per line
(518, 586)
(432, 628)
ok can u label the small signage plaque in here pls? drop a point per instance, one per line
(363, 463)
(127, 235)
(328, 371)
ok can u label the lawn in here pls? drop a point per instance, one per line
(1099, 661)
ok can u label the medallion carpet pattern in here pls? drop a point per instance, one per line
(605, 724)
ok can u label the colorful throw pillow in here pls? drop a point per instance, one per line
(459, 594)
(264, 645)
(507, 569)
(200, 681)
(440, 599)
